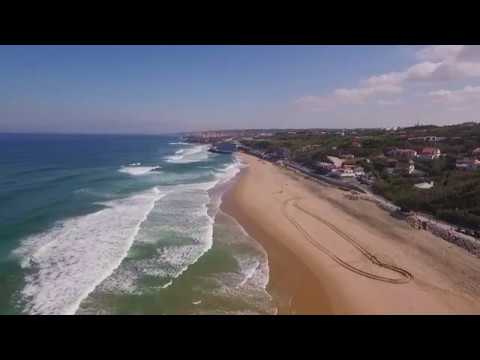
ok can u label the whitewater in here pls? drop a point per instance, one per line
(138, 230)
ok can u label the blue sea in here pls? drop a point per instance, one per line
(97, 224)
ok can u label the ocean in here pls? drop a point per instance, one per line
(114, 224)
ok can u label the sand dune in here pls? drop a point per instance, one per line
(331, 255)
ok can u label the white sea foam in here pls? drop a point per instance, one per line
(167, 284)
(223, 176)
(136, 170)
(250, 281)
(180, 229)
(189, 155)
(66, 263)
(179, 143)
(255, 269)
(182, 212)
(124, 281)
(229, 172)
(84, 254)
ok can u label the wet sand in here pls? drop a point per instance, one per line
(331, 255)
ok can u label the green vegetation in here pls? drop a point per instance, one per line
(455, 196)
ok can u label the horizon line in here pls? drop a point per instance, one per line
(220, 130)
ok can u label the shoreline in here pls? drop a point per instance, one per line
(284, 284)
(330, 255)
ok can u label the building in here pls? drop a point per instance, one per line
(277, 154)
(223, 148)
(342, 172)
(356, 144)
(346, 171)
(430, 153)
(324, 167)
(395, 167)
(359, 171)
(336, 161)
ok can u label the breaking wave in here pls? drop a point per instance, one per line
(179, 143)
(136, 169)
(66, 263)
(189, 155)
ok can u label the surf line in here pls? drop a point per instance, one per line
(404, 278)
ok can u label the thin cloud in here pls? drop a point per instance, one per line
(440, 52)
(439, 63)
(460, 96)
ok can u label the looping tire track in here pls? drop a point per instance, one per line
(405, 276)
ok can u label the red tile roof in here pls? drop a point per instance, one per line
(430, 151)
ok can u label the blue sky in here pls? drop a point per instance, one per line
(156, 89)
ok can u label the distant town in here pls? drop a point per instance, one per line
(426, 168)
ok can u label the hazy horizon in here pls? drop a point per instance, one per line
(173, 89)
(207, 130)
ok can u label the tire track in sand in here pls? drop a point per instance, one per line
(404, 278)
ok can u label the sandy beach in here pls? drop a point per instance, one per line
(331, 255)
